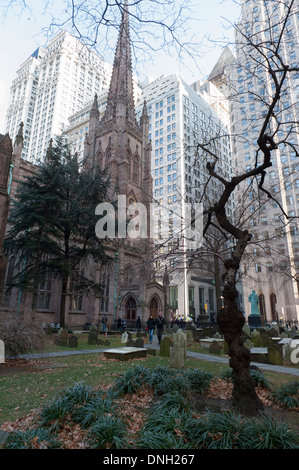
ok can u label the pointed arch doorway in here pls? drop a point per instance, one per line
(154, 308)
(131, 308)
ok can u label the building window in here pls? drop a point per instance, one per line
(75, 288)
(211, 299)
(44, 292)
(201, 299)
(173, 294)
(105, 286)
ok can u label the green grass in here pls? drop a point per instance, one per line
(27, 390)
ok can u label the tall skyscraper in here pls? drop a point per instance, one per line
(179, 118)
(53, 83)
(271, 267)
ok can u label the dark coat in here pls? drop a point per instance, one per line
(160, 322)
(151, 323)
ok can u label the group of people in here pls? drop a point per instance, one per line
(152, 323)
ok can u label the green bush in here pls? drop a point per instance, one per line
(216, 431)
(267, 434)
(198, 379)
(162, 440)
(131, 382)
(108, 432)
(55, 412)
(92, 410)
(171, 400)
(260, 379)
(40, 438)
(287, 395)
(78, 394)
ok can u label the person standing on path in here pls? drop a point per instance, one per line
(160, 322)
(104, 322)
(151, 326)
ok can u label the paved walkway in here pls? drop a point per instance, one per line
(204, 357)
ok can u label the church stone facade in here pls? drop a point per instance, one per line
(120, 145)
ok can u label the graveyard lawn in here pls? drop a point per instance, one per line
(26, 384)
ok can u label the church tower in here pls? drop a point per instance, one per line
(119, 144)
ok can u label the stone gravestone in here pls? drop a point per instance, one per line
(293, 332)
(249, 344)
(255, 337)
(215, 348)
(139, 343)
(93, 335)
(181, 338)
(124, 337)
(63, 337)
(165, 345)
(73, 341)
(178, 352)
(265, 341)
(275, 355)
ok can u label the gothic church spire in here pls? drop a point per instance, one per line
(120, 102)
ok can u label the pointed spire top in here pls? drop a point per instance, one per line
(94, 116)
(121, 94)
(19, 136)
(144, 109)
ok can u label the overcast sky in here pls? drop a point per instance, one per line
(20, 35)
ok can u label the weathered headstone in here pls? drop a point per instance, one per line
(215, 348)
(165, 345)
(249, 344)
(73, 341)
(181, 338)
(178, 352)
(275, 354)
(151, 351)
(255, 337)
(130, 343)
(197, 334)
(176, 356)
(63, 337)
(93, 335)
(139, 343)
(124, 337)
(100, 341)
(293, 332)
(246, 329)
(265, 341)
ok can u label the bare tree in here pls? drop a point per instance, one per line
(273, 131)
(156, 26)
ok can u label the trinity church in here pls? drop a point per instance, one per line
(121, 145)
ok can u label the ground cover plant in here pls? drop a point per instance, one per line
(147, 405)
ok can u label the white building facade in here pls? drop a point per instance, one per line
(54, 83)
(272, 264)
(180, 117)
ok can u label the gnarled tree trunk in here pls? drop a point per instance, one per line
(231, 322)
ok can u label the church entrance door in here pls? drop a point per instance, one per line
(154, 307)
(131, 308)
